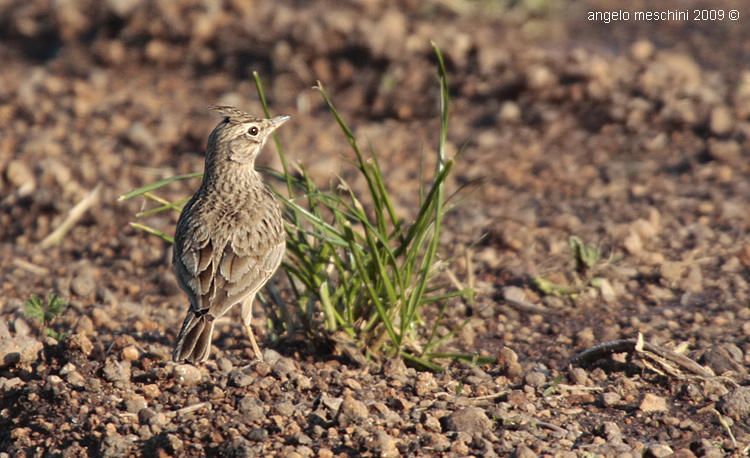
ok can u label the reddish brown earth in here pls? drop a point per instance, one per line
(631, 136)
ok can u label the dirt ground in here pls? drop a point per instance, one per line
(631, 135)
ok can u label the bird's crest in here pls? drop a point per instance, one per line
(234, 115)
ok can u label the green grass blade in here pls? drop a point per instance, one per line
(464, 357)
(153, 231)
(157, 185)
(177, 206)
(421, 362)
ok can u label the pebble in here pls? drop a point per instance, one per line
(257, 434)
(721, 121)
(523, 451)
(728, 152)
(534, 379)
(83, 285)
(19, 349)
(611, 432)
(4, 331)
(652, 403)
(12, 384)
(382, 444)
(252, 409)
(507, 360)
(469, 420)
(425, 383)
(659, 451)
(351, 412)
(642, 50)
(224, 364)
(135, 403)
(21, 327)
(578, 376)
(283, 408)
(186, 374)
(610, 399)
(736, 402)
(116, 371)
(239, 379)
(115, 445)
(75, 379)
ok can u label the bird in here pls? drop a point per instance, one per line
(230, 236)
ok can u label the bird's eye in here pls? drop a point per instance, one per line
(253, 131)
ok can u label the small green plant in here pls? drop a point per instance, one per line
(586, 256)
(587, 259)
(351, 262)
(45, 313)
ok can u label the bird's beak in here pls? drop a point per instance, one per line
(279, 120)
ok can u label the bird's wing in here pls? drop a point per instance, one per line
(243, 270)
(195, 264)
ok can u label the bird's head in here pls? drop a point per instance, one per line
(240, 136)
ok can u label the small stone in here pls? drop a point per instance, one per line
(300, 438)
(270, 356)
(257, 434)
(240, 379)
(523, 451)
(610, 399)
(653, 403)
(722, 120)
(252, 409)
(151, 391)
(535, 379)
(19, 349)
(4, 331)
(282, 368)
(351, 412)
(175, 444)
(186, 374)
(148, 416)
(21, 327)
(83, 285)
(262, 369)
(510, 112)
(642, 50)
(224, 365)
(382, 444)
(736, 402)
(578, 376)
(130, 353)
(20, 176)
(728, 152)
(116, 371)
(507, 360)
(425, 384)
(135, 403)
(238, 447)
(658, 451)
(283, 408)
(469, 420)
(12, 384)
(633, 243)
(75, 379)
(611, 432)
(115, 445)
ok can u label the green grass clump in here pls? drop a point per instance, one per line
(351, 262)
(45, 313)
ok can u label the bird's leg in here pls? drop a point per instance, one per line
(247, 316)
(256, 349)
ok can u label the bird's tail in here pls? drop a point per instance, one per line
(194, 342)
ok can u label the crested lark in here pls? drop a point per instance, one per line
(230, 236)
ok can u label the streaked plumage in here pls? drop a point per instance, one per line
(230, 235)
